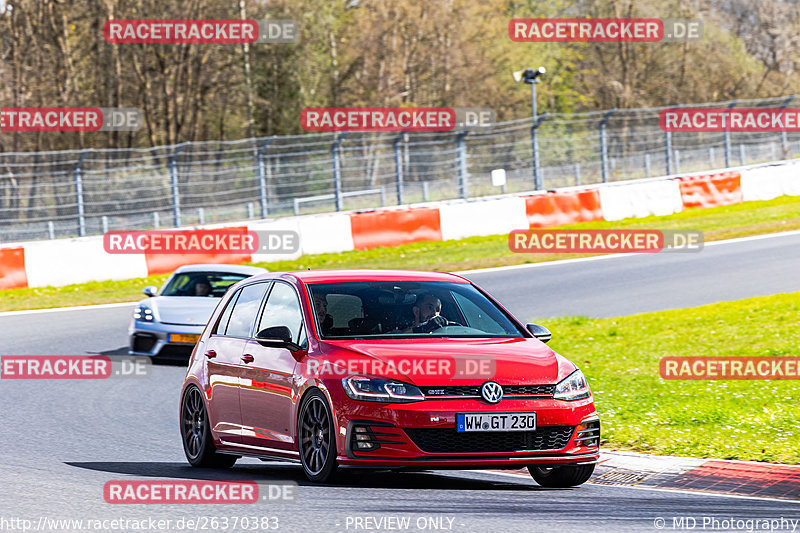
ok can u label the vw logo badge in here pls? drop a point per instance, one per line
(491, 392)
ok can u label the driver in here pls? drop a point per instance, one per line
(427, 315)
(202, 287)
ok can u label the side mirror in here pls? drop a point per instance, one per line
(540, 332)
(151, 291)
(277, 337)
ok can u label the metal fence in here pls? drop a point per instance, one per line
(74, 193)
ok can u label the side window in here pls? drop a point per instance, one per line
(222, 325)
(245, 310)
(283, 309)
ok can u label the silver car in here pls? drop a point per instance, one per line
(168, 323)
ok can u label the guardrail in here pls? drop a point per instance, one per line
(75, 193)
(322, 197)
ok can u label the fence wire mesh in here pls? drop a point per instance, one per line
(72, 193)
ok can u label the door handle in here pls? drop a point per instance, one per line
(211, 354)
(247, 358)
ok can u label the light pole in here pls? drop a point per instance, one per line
(531, 76)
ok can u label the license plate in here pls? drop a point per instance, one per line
(184, 337)
(496, 421)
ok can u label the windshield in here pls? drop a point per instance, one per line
(406, 309)
(208, 284)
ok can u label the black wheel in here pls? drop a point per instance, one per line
(198, 445)
(561, 476)
(316, 437)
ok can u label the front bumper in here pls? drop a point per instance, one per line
(152, 339)
(423, 434)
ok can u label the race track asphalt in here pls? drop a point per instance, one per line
(61, 441)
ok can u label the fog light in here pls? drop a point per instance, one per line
(588, 433)
(362, 438)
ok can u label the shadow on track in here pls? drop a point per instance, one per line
(178, 361)
(274, 472)
(117, 351)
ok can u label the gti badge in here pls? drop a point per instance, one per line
(491, 392)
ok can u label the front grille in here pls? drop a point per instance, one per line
(143, 342)
(448, 440)
(451, 391)
(508, 390)
(530, 390)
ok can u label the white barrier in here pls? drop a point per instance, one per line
(68, 261)
(278, 224)
(322, 234)
(484, 217)
(637, 200)
(766, 183)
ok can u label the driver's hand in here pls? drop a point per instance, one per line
(434, 323)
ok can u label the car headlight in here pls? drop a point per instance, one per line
(381, 390)
(143, 313)
(573, 387)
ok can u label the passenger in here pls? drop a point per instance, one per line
(324, 320)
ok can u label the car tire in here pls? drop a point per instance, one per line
(316, 437)
(198, 444)
(561, 476)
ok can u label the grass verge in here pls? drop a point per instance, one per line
(639, 411)
(750, 218)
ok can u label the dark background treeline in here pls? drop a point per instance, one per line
(376, 53)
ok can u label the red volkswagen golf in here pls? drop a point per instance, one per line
(382, 368)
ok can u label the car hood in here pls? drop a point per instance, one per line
(183, 310)
(466, 361)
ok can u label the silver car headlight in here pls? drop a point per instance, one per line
(143, 313)
(573, 387)
(381, 390)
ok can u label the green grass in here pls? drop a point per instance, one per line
(750, 218)
(639, 411)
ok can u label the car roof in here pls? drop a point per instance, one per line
(332, 276)
(228, 269)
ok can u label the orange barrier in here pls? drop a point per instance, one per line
(559, 208)
(12, 268)
(395, 226)
(711, 190)
(165, 263)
